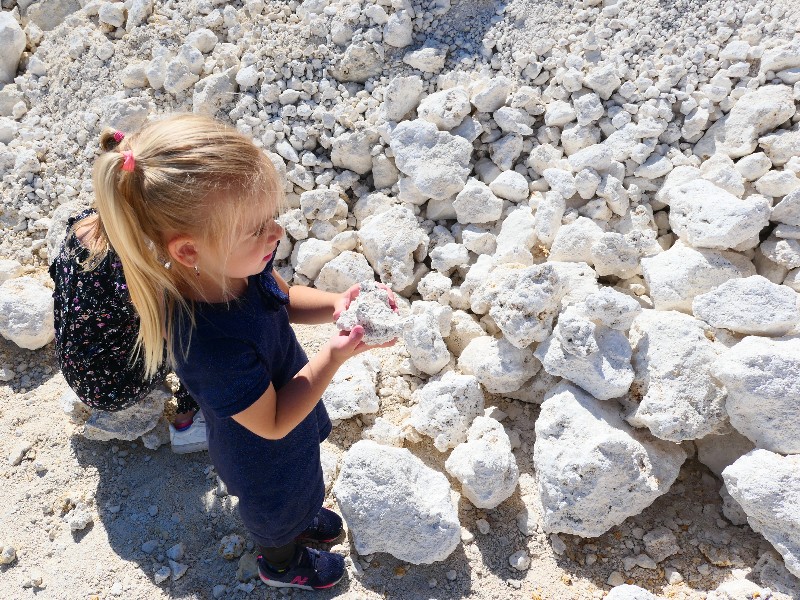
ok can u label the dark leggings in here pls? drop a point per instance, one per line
(280, 557)
(185, 400)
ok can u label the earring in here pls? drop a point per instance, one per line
(196, 271)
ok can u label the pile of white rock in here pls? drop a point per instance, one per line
(614, 235)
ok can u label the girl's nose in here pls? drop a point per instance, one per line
(276, 232)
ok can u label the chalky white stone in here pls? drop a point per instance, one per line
(484, 464)
(446, 108)
(436, 161)
(788, 209)
(371, 310)
(353, 151)
(612, 308)
(574, 241)
(425, 342)
(706, 216)
(389, 240)
(594, 357)
(510, 185)
(427, 60)
(522, 301)
(498, 365)
(26, 312)
(751, 305)
(130, 423)
(343, 272)
(352, 392)
(675, 277)
(767, 487)
(629, 592)
(12, 40)
(476, 203)
(445, 408)
(594, 471)
(310, 255)
(672, 357)
(401, 96)
(393, 503)
(719, 451)
(762, 378)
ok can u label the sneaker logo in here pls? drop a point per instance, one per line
(300, 580)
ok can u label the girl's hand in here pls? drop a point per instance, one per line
(342, 303)
(348, 343)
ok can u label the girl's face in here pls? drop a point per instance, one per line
(253, 247)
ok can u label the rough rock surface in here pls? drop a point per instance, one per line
(26, 313)
(352, 390)
(594, 470)
(393, 503)
(127, 424)
(498, 365)
(371, 310)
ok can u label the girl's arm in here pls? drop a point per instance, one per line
(276, 414)
(311, 306)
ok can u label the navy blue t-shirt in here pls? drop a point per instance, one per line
(235, 351)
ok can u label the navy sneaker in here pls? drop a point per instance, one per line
(309, 570)
(326, 527)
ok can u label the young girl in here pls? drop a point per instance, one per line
(96, 330)
(193, 193)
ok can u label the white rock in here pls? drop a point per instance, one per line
(330, 465)
(753, 166)
(520, 560)
(594, 471)
(781, 145)
(352, 392)
(522, 301)
(489, 95)
(754, 114)
(594, 357)
(777, 183)
(513, 120)
(161, 574)
(476, 203)
(589, 108)
(559, 113)
(485, 464)
(359, 63)
(767, 487)
(319, 204)
(112, 13)
(310, 255)
(574, 241)
(464, 328)
(597, 156)
(707, 216)
(384, 432)
(788, 209)
(498, 365)
(398, 30)
(445, 407)
(427, 60)
(629, 592)
(676, 276)
(660, 543)
(79, 518)
(13, 41)
(549, 213)
(615, 254)
(353, 150)
(560, 181)
(672, 357)
(447, 257)
(437, 162)
(425, 343)
(8, 554)
(26, 313)
(203, 39)
(752, 305)
(761, 376)
(603, 80)
(784, 252)
(372, 311)
(130, 423)
(401, 97)
(516, 230)
(510, 185)
(393, 503)
(389, 241)
(719, 451)
(612, 308)
(9, 269)
(446, 108)
(343, 272)
(138, 12)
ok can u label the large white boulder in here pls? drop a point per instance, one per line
(498, 365)
(344, 271)
(762, 377)
(436, 161)
(12, 40)
(401, 97)
(352, 392)
(751, 305)
(754, 114)
(26, 313)
(445, 408)
(390, 240)
(592, 356)
(594, 470)
(706, 216)
(484, 464)
(672, 356)
(445, 109)
(353, 150)
(676, 276)
(393, 503)
(523, 301)
(130, 423)
(767, 487)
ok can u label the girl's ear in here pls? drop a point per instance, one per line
(182, 249)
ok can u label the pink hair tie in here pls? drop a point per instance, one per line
(118, 136)
(129, 163)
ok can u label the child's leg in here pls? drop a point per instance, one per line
(278, 558)
(187, 407)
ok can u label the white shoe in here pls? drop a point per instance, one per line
(191, 439)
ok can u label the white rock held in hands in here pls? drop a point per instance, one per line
(371, 310)
(393, 503)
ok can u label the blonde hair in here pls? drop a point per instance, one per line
(192, 175)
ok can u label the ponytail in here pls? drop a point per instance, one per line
(166, 179)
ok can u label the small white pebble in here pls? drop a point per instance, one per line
(451, 575)
(483, 526)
